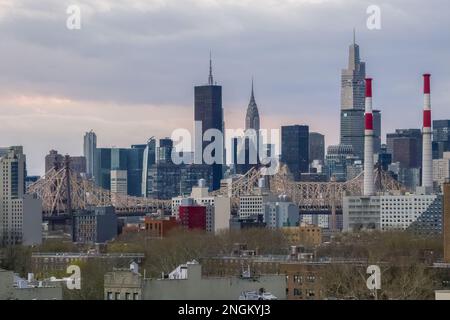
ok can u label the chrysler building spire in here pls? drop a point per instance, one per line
(252, 117)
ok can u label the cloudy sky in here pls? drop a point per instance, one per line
(129, 72)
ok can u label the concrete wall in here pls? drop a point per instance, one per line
(198, 288)
(32, 220)
(442, 294)
(222, 213)
(118, 283)
(38, 293)
(6, 281)
(9, 292)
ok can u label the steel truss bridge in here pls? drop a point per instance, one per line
(63, 191)
(311, 197)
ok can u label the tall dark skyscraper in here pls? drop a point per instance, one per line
(295, 149)
(316, 146)
(102, 168)
(164, 151)
(135, 163)
(441, 138)
(208, 110)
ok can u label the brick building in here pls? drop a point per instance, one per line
(159, 227)
(192, 217)
(305, 234)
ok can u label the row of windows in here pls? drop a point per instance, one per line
(118, 296)
(299, 278)
(309, 293)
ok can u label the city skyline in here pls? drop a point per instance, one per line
(123, 87)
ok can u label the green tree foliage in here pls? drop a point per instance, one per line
(92, 277)
(17, 258)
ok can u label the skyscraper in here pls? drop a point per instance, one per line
(89, 147)
(316, 147)
(164, 151)
(209, 113)
(129, 161)
(252, 116)
(352, 102)
(247, 147)
(54, 159)
(295, 149)
(352, 81)
(337, 159)
(441, 138)
(102, 168)
(135, 164)
(20, 214)
(405, 145)
(149, 159)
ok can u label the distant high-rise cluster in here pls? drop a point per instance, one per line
(418, 158)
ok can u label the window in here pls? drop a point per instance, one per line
(297, 292)
(298, 279)
(127, 296)
(135, 296)
(109, 296)
(117, 296)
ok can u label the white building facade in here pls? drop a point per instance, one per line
(253, 205)
(119, 182)
(417, 212)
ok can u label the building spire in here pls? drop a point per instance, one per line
(354, 53)
(252, 116)
(253, 92)
(210, 78)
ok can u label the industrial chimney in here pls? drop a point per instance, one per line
(368, 142)
(427, 160)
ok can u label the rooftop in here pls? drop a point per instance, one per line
(83, 254)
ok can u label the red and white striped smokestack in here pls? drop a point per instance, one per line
(369, 188)
(427, 160)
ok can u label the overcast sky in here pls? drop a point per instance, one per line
(129, 72)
